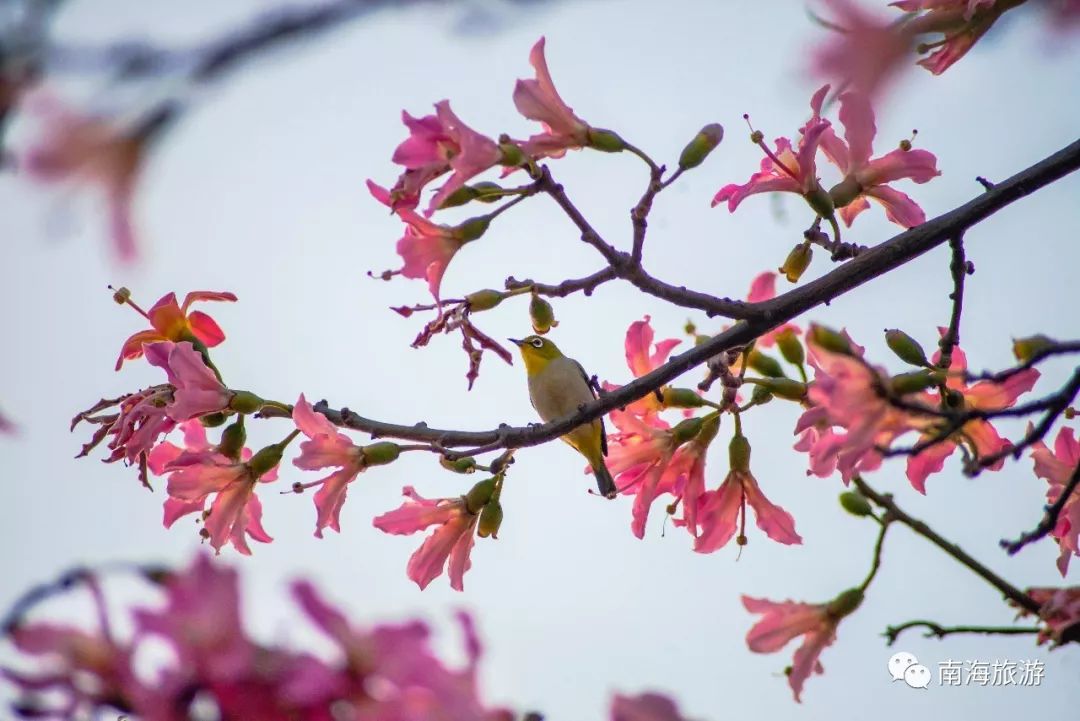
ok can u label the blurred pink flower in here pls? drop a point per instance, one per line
(172, 321)
(326, 448)
(865, 178)
(1057, 468)
(960, 22)
(1060, 611)
(644, 707)
(6, 425)
(448, 546)
(198, 391)
(92, 151)
(539, 100)
(865, 52)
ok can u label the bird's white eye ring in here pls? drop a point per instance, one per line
(538, 342)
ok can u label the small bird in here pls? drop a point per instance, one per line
(557, 386)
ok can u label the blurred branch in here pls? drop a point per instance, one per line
(935, 630)
(1049, 520)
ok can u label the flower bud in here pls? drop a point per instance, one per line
(511, 154)
(829, 340)
(760, 395)
(121, 295)
(233, 439)
(479, 495)
(213, 420)
(905, 347)
(739, 454)
(488, 192)
(786, 388)
(1025, 348)
(542, 315)
(459, 197)
(844, 192)
(855, 504)
(472, 228)
(845, 604)
(245, 402)
(690, 328)
(607, 141)
(265, 460)
(820, 201)
(790, 347)
(686, 429)
(461, 465)
(766, 365)
(681, 398)
(491, 517)
(485, 299)
(797, 261)
(710, 426)
(381, 453)
(913, 382)
(698, 149)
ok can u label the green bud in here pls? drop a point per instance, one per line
(844, 192)
(698, 149)
(905, 347)
(760, 395)
(265, 460)
(791, 347)
(855, 504)
(245, 402)
(491, 517)
(511, 154)
(913, 382)
(461, 465)
(479, 495)
(488, 192)
(710, 426)
(213, 420)
(472, 228)
(381, 453)
(459, 197)
(542, 315)
(797, 261)
(681, 398)
(766, 365)
(686, 430)
(845, 604)
(786, 388)
(739, 454)
(690, 328)
(607, 141)
(820, 201)
(1025, 348)
(232, 439)
(485, 299)
(829, 340)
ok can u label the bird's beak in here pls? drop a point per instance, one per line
(515, 341)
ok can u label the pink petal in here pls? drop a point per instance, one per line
(762, 288)
(859, 129)
(719, 516)
(930, 460)
(205, 328)
(772, 519)
(899, 208)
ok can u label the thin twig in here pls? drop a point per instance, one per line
(958, 268)
(936, 630)
(1049, 519)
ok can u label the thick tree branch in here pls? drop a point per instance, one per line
(885, 501)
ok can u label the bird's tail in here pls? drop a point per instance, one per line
(604, 482)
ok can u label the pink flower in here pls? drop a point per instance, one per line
(438, 144)
(687, 473)
(638, 458)
(198, 391)
(961, 22)
(201, 619)
(448, 546)
(866, 52)
(172, 321)
(763, 288)
(723, 511)
(787, 170)
(644, 707)
(141, 419)
(427, 248)
(326, 448)
(782, 622)
(91, 151)
(865, 178)
(1057, 468)
(643, 357)
(978, 435)
(845, 394)
(539, 100)
(201, 470)
(1060, 611)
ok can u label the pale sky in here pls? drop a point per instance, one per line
(260, 190)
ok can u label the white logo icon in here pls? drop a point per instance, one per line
(917, 676)
(899, 663)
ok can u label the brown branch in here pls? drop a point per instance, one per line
(958, 268)
(1056, 349)
(1049, 520)
(885, 501)
(936, 630)
(568, 287)
(762, 317)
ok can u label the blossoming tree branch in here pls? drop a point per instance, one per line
(674, 437)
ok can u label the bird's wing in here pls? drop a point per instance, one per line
(588, 382)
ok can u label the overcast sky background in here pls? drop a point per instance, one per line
(260, 190)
